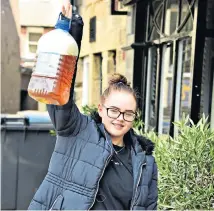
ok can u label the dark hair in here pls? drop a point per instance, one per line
(119, 82)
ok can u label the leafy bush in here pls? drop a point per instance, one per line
(186, 166)
(89, 109)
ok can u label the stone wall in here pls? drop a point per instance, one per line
(105, 53)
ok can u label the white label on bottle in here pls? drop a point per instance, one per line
(47, 64)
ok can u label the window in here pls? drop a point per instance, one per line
(166, 89)
(131, 20)
(33, 38)
(168, 69)
(186, 76)
(85, 81)
(34, 34)
(150, 108)
(186, 55)
(92, 32)
(112, 62)
(185, 93)
(98, 77)
(169, 17)
(169, 89)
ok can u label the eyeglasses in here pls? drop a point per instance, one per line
(115, 113)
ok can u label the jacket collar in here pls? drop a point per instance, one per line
(141, 143)
(138, 143)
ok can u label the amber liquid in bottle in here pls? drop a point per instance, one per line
(51, 79)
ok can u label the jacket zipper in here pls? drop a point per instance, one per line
(55, 201)
(106, 163)
(138, 181)
(53, 204)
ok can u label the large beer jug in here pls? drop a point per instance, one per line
(52, 75)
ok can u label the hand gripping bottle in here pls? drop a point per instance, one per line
(52, 75)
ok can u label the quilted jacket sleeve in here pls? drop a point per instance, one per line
(153, 191)
(67, 119)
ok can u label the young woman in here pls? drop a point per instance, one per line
(98, 162)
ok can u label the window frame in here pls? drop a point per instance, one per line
(35, 30)
(141, 47)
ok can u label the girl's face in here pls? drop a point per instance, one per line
(118, 124)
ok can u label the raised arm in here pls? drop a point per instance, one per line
(67, 119)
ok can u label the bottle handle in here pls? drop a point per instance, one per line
(74, 29)
(72, 2)
(70, 22)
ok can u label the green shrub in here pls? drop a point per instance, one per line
(186, 166)
(88, 109)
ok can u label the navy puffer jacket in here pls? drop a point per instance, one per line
(83, 150)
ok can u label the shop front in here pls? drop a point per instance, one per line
(173, 62)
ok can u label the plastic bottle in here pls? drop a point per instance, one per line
(52, 75)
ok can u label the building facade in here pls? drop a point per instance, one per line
(172, 52)
(101, 55)
(36, 19)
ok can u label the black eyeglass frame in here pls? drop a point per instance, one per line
(123, 113)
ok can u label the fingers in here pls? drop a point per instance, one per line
(67, 9)
(63, 10)
(70, 11)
